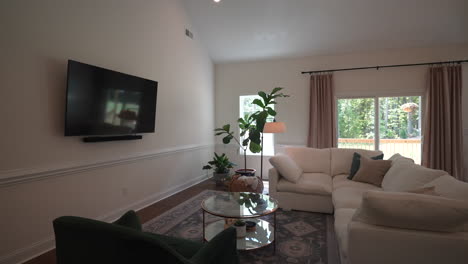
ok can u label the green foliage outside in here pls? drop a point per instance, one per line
(395, 122)
(356, 117)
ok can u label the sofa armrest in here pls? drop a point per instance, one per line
(221, 249)
(273, 178)
(370, 244)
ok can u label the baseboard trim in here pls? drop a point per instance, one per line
(38, 248)
(12, 177)
(24, 254)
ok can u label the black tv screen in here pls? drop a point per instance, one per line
(106, 102)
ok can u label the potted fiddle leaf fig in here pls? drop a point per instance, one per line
(251, 127)
(260, 117)
(221, 166)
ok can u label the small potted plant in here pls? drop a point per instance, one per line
(221, 166)
(240, 228)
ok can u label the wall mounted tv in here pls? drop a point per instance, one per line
(103, 102)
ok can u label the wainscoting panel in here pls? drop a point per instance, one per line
(25, 175)
(102, 190)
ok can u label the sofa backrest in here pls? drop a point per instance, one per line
(310, 159)
(341, 159)
(405, 176)
(448, 186)
(332, 161)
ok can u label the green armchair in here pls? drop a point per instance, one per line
(81, 240)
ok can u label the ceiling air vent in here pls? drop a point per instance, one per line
(188, 33)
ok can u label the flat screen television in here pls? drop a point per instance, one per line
(103, 102)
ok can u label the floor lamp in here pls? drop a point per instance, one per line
(273, 128)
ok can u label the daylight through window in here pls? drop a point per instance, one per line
(397, 128)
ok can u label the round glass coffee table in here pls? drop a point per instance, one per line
(242, 205)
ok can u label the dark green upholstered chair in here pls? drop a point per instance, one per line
(81, 240)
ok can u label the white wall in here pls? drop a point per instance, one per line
(245, 78)
(43, 174)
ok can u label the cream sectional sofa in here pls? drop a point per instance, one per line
(324, 187)
(324, 170)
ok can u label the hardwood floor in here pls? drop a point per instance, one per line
(160, 207)
(146, 214)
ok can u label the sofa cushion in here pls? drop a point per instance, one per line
(342, 218)
(341, 159)
(341, 181)
(400, 158)
(413, 211)
(286, 167)
(404, 176)
(372, 171)
(448, 186)
(347, 198)
(309, 183)
(356, 163)
(425, 190)
(310, 159)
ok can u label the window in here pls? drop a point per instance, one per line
(391, 124)
(247, 108)
(356, 119)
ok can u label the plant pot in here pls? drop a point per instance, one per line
(246, 172)
(240, 231)
(237, 185)
(250, 226)
(219, 178)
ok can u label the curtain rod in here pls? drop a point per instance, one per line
(386, 66)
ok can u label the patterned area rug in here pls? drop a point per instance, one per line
(303, 237)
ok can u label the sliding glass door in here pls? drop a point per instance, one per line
(356, 123)
(400, 126)
(391, 124)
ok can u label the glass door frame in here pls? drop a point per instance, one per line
(377, 113)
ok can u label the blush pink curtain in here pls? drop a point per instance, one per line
(443, 128)
(322, 121)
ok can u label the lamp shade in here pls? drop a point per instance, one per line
(274, 127)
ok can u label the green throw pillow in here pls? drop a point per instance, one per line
(357, 163)
(129, 219)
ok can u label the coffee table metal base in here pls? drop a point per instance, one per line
(261, 237)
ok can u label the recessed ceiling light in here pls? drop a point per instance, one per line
(217, 1)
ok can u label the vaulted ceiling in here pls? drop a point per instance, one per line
(236, 30)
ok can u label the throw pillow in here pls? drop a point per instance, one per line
(412, 211)
(357, 162)
(404, 176)
(400, 158)
(129, 219)
(425, 190)
(286, 167)
(372, 171)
